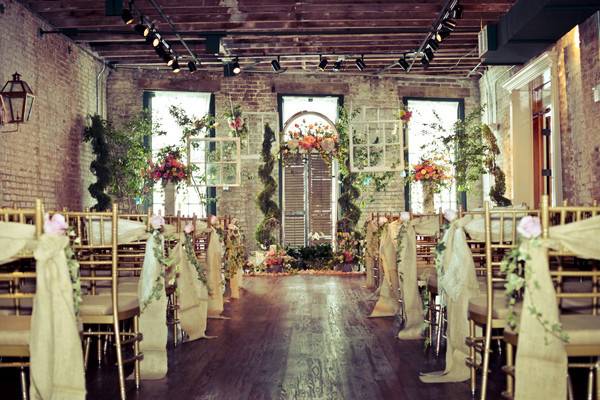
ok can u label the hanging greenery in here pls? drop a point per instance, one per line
(265, 231)
(349, 193)
(97, 134)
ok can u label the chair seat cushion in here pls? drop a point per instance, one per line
(14, 330)
(101, 304)
(583, 330)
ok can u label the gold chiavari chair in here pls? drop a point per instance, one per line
(491, 311)
(102, 313)
(173, 320)
(17, 289)
(576, 283)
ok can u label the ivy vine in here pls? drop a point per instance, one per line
(271, 214)
(191, 256)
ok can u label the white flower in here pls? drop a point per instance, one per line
(404, 216)
(382, 221)
(530, 227)
(57, 225)
(450, 215)
(188, 228)
(157, 222)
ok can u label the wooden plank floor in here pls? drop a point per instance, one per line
(295, 337)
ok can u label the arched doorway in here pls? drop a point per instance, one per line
(309, 190)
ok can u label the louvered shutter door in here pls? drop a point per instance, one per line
(319, 195)
(293, 192)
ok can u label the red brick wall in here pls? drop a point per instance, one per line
(577, 57)
(46, 158)
(258, 93)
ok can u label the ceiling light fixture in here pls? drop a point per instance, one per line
(322, 63)
(235, 67)
(338, 65)
(428, 53)
(127, 16)
(156, 40)
(457, 12)
(425, 61)
(175, 66)
(192, 67)
(449, 24)
(433, 44)
(360, 63)
(403, 63)
(276, 65)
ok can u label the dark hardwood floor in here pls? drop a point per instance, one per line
(295, 337)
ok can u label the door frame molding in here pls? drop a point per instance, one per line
(521, 129)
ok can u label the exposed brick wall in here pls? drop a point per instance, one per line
(46, 157)
(577, 56)
(258, 93)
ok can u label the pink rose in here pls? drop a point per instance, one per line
(213, 220)
(404, 216)
(328, 144)
(292, 144)
(529, 227)
(188, 228)
(55, 225)
(382, 221)
(450, 215)
(157, 222)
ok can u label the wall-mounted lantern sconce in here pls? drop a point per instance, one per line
(18, 101)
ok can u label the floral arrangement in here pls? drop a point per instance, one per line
(428, 170)
(347, 251)
(276, 258)
(307, 137)
(236, 122)
(168, 168)
(235, 252)
(405, 115)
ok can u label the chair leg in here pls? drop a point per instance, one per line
(570, 395)
(119, 352)
(590, 388)
(473, 380)
(23, 382)
(430, 318)
(486, 361)
(86, 353)
(509, 364)
(440, 328)
(99, 349)
(136, 350)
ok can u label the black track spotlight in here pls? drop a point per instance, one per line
(428, 53)
(433, 44)
(449, 24)
(151, 37)
(169, 59)
(322, 63)
(127, 16)
(360, 63)
(425, 61)
(141, 28)
(403, 64)
(156, 40)
(161, 50)
(457, 12)
(442, 34)
(175, 66)
(338, 65)
(235, 67)
(276, 65)
(192, 67)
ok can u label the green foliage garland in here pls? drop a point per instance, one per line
(159, 283)
(96, 133)
(200, 270)
(264, 232)
(349, 194)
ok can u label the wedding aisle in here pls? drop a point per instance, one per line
(295, 337)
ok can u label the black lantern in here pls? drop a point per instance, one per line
(19, 100)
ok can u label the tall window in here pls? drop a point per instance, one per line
(309, 194)
(195, 104)
(421, 136)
